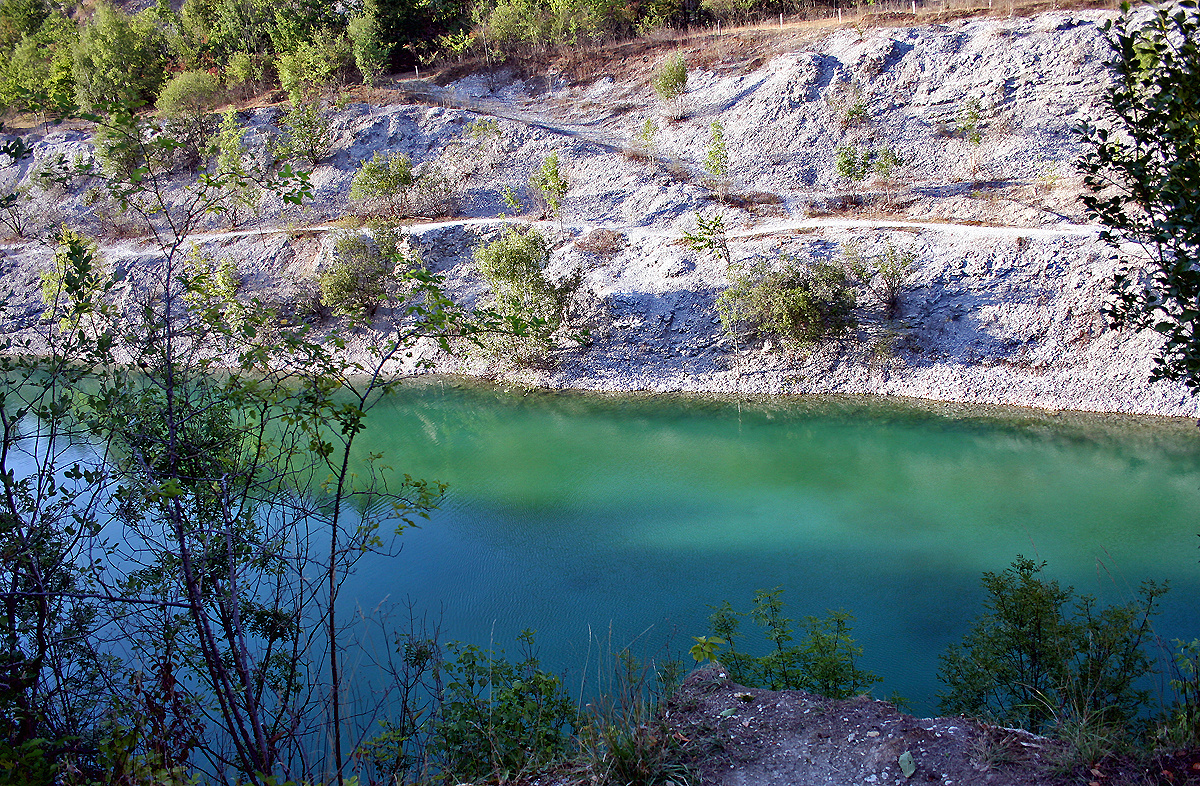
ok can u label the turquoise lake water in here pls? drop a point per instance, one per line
(622, 518)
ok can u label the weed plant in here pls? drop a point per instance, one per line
(500, 718)
(716, 160)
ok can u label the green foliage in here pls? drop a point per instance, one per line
(705, 648)
(885, 161)
(1045, 659)
(78, 277)
(548, 182)
(211, 286)
(848, 102)
(313, 67)
(516, 25)
(645, 137)
(20, 18)
(388, 182)
(624, 739)
(243, 193)
(670, 82)
(386, 179)
(854, 163)
(41, 62)
(1181, 726)
(823, 661)
(119, 58)
(186, 103)
(307, 134)
(511, 200)
(501, 717)
(851, 163)
(243, 74)
(709, 237)
(1142, 167)
(716, 159)
(884, 276)
(514, 267)
(968, 123)
(363, 273)
(371, 52)
(801, 303)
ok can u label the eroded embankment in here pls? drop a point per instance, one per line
(1003, 305)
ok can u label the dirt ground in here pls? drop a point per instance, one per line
(736, 736)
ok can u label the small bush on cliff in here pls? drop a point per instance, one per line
(187, 102)
(364, 272)
(800, 303)
(670, 83)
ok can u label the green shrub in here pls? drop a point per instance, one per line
(315, 66)
(716, 160)
(387, 179)
(211, 288)
(709, 237)
(362, 274)
(389, 183)
(1180, 728)
(243, 74)
(307, 134)
(78, 278)
(119, 58)
(670, 82)
(500, 717)
(884, 276)
(371, 52)
(968, 122)
(624, 738)
(851, 163)
(1048, 660)
(823, 661)
(242, 192)
(514, 268)
(20, 18)
(187, 102)
(434, 193)
(797, 302)
(549, 183)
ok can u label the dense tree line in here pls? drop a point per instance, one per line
(56, 50)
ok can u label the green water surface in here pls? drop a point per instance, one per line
(606, 520)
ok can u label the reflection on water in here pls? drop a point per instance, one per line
(571, 512)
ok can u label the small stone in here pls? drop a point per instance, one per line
(872, 734)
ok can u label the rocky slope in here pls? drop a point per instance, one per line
(1004, 300)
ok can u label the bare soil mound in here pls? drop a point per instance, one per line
(738, 736)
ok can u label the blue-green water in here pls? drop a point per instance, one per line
(623, 518)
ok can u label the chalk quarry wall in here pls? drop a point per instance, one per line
(1004, 303)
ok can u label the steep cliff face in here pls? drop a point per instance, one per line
(1003, 302)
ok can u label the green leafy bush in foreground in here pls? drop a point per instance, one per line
(498, 716)
(823, 661)
(802, 303)
(1047, 659)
